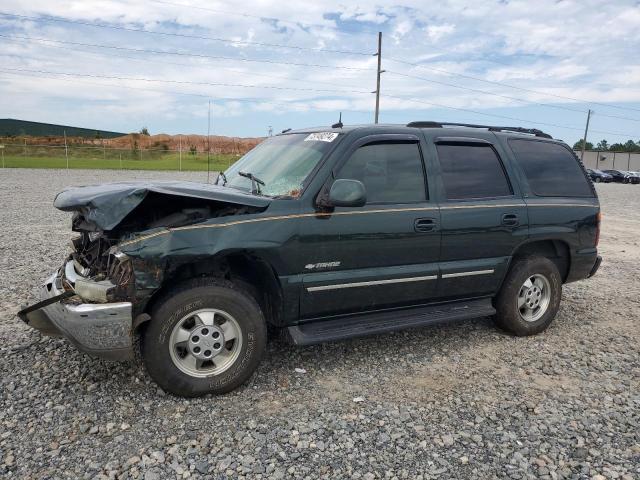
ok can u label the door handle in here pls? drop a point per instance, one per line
(424, 225)
(510, 220)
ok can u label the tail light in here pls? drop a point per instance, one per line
(598, 221)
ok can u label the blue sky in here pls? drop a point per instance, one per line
(492, 62)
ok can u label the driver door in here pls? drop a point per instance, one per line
(384, 254)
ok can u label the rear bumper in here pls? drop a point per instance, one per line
(584, 264)
(99, 329)
(596, 266)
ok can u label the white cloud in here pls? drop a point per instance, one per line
(580, 49)
(436, 32)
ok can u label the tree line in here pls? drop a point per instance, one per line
(604, 146)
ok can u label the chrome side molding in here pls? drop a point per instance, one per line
(371, 283)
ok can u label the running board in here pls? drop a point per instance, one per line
(361, 325)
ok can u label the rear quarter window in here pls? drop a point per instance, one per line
(551, 169)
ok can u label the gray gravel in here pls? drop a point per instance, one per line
(455, 401)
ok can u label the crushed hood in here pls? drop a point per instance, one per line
(106, 205)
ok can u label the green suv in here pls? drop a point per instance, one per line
(322, 234)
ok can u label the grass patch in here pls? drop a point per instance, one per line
(144, 161)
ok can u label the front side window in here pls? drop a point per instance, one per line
(282, 163)
(390, 172)
(551, 169)
(472, 171)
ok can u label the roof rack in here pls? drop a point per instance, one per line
(491, 128)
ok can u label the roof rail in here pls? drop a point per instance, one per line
(492, 128)
(426, 124)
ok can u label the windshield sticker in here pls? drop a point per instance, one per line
(321, 137)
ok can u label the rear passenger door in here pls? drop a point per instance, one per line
(483, 215)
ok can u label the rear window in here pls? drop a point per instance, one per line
(551, 169)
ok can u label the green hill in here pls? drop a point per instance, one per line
(11, 127)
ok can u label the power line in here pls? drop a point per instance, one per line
(288, 104)
(440, 105)
(248, 15)
(482, 58)
(548, 94)
(561, 107)
(184, 82)
(184, 54)
(301, 48)
(173, 92)
(138, 59)
(48, 18)
(432, 104)
(551, 105)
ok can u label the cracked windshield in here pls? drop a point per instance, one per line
(279, 165)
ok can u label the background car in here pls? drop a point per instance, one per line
(599, 176)
(634, 177)
(619, 176)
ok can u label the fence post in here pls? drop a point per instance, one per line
(180, 151)
(629, 162)
(66, 151)
(2, 150)
(120, 160)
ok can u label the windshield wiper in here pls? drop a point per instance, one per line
(224, 178)
(255, 182)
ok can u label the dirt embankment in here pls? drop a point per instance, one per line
(137, 141)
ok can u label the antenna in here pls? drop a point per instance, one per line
(339, 124)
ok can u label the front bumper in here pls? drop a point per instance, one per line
(99, 329)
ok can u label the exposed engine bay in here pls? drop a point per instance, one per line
(95, 269)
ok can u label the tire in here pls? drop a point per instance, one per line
(597, 180)
(204, 316)
(524, 321)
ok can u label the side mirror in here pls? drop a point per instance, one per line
(347, 193)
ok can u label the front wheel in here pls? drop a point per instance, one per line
(207, 336)
(597, 180)
(530, 296)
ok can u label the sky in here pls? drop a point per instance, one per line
(118, 65)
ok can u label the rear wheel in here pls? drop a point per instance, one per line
(530, 296)
(207, 336)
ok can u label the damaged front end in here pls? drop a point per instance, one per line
(94, 297)
(89, 306)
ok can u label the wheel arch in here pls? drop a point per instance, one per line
(250, 272)
(558, 251)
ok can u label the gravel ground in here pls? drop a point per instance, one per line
(455, 401)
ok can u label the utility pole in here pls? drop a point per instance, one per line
(377, 91)
(208, 142)
(270, 131)
(66, 151)
(584, 139)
